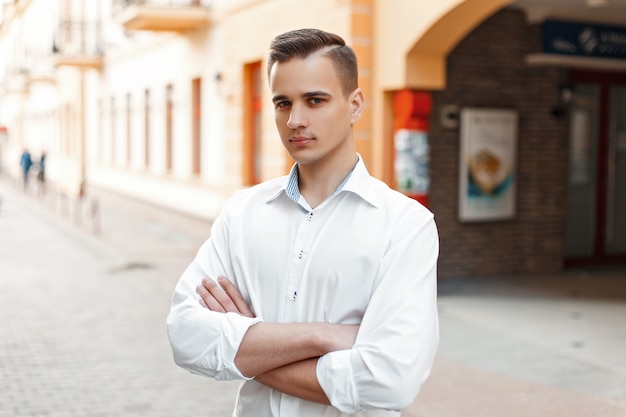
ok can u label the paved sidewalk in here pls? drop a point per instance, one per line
(83, 326)
(83, 318)
(548, 346)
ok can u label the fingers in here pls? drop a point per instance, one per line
(235, 296)
(215, 297)
(207, 299)
(223, 297)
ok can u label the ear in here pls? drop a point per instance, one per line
(357, 102)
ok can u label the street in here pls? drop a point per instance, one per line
(83, 326)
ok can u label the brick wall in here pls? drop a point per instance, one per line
(487, 69)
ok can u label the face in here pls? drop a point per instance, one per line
(313, 117)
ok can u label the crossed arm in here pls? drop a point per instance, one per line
(282, 356)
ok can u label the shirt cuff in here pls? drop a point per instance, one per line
(335, 375)
(234, 329)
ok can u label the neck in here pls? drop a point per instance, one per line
(319, 181)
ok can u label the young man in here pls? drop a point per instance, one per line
(317, 289)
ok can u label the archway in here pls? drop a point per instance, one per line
(417, 58)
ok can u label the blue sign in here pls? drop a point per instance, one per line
(584, 39)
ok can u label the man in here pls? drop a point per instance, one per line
(317, 289)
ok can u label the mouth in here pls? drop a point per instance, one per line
(300, 140)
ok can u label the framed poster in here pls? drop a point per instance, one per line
(487, 174)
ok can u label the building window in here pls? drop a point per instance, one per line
(129, 141)
(252, 124)
(196, 120)
(99, 138)
(146, 131)
(66, 129)
(169, 110)
(113, 130)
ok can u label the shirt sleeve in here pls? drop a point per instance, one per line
(397, 341)
(206, 342)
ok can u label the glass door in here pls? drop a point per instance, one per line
(580, 229)
(616, 174)
(595, 229)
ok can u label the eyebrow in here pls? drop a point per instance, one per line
(305, 95)
(279, 98)
(315, 94)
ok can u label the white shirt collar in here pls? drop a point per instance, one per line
(357, 182)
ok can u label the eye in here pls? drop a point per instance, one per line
(282, 104)
(316, 101)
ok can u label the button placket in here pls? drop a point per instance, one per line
(309, 217)
(301, 244)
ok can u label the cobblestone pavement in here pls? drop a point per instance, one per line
(83, 330)
(83, 323)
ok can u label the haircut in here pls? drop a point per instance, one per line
(301, 43)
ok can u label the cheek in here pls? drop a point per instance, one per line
(281, 126)
(280, 120)
(339, 117)
(278, 116)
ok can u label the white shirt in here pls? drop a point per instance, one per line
(366, 255)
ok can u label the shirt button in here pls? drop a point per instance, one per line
(300, 254)
(310, 216)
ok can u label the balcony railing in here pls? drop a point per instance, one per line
(27, 66)
(78, 43)
(13, 79)
(163, 15)
(37, 66)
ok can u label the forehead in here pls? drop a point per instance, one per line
(315, 72)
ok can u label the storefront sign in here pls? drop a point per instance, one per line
(584, 39)
(487, 164)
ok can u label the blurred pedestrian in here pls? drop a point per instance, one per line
(41, 173)
(318, 289)
(26, 162)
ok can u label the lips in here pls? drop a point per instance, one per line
(300, 140)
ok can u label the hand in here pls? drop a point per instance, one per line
(223, 297)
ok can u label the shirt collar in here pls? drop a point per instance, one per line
(358, 181)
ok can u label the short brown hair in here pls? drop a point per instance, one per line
(301, 43)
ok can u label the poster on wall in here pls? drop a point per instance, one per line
(411, 162)
(487, 182)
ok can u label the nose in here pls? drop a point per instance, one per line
(297, 118)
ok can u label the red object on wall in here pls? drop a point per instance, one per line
(412, 111)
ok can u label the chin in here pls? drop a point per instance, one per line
(299, 159)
